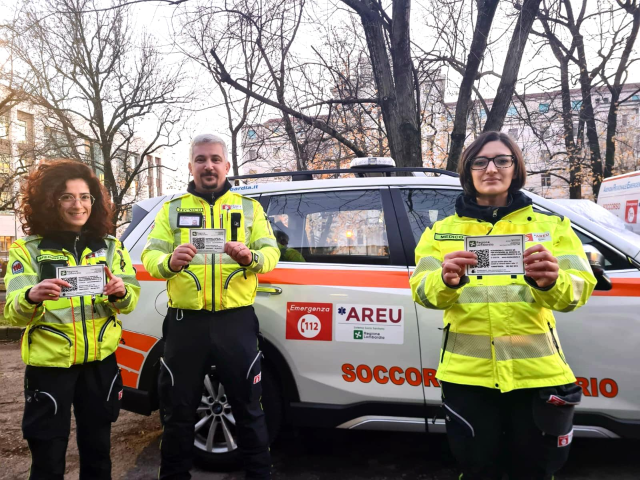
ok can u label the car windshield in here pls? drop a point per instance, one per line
(601, 216)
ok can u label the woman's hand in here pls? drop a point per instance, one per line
(239, 252)
(454, 266)
(540, 266)
(48, 289)
(115, 286)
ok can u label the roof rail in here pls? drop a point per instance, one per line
(308, 174)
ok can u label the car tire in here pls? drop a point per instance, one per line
(221, 456)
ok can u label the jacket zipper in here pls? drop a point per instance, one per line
(243, 270)
(104, 327)
(446, 339)
(213, 259)
(82, 314)
(195, 278)
(553, 337)
(52, 330)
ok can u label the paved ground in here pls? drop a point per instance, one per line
(297, 455)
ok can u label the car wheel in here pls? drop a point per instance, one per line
(216, 439)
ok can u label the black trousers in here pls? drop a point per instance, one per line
(95, 390)
(491, 433)
(194, 341)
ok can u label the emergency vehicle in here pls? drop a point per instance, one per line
(344, 344)
(621, 196)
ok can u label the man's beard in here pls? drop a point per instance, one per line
(209, 186)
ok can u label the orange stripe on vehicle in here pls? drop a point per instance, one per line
(129, 379)
(345, 278)
(337, 278)
(129, 359)
(144, 276)
(622, 287)
(139, 341)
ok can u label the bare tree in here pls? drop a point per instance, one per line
(100, 86)
(486, 12)
(632, 9)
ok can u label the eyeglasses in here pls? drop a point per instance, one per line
(500, 161)
(69, 200)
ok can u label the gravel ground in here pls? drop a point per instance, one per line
(297, 455)
(129, 435)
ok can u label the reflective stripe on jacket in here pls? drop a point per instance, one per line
(72, 330)
(499, 331)
(211, 282)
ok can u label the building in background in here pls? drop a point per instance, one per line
(28, 135)
(534, 120)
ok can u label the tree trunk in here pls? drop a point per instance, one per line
(486, 12)
(616, 90)
(511, 68)
(383, 76)
(234, 152)
(409, 128)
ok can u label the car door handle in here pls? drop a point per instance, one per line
(270, 290)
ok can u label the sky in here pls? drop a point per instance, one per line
(161, 20)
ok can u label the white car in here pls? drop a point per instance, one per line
(357, 237)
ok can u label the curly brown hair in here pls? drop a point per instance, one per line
(42, 189)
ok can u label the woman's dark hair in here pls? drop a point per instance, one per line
(44, 186)
(471, 152)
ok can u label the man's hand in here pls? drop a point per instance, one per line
(48, 289)
(182, 256)
(115, 286)
(453, 266)
(540, 265)
(239, 252)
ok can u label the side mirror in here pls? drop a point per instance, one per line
(596, 260)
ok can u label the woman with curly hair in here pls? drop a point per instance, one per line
(69, 341)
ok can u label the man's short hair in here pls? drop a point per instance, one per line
(208, 138)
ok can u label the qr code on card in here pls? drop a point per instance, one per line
(73, 281)
(198, 243)
(483, 258)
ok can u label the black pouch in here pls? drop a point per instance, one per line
(48, 268)
(553, 408)
(235, 225)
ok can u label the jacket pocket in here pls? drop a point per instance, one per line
(445, 340)
(239, 288)
(109, 337)
(49, 347)
(555, 343)
(185, 290)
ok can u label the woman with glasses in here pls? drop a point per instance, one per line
(508, 393)
(70, 338)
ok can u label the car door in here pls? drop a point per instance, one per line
(601, 341)
(417, 208)
(338, 306)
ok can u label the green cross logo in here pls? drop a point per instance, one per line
(357, 335)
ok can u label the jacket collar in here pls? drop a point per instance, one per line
(60, 240)
(209, 197)
(466, 206)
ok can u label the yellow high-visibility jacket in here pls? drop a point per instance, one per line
(71, 330)
(211, 282)
(499, 330)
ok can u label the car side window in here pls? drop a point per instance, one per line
(425, 206)
(612, 260)
(330, 227)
